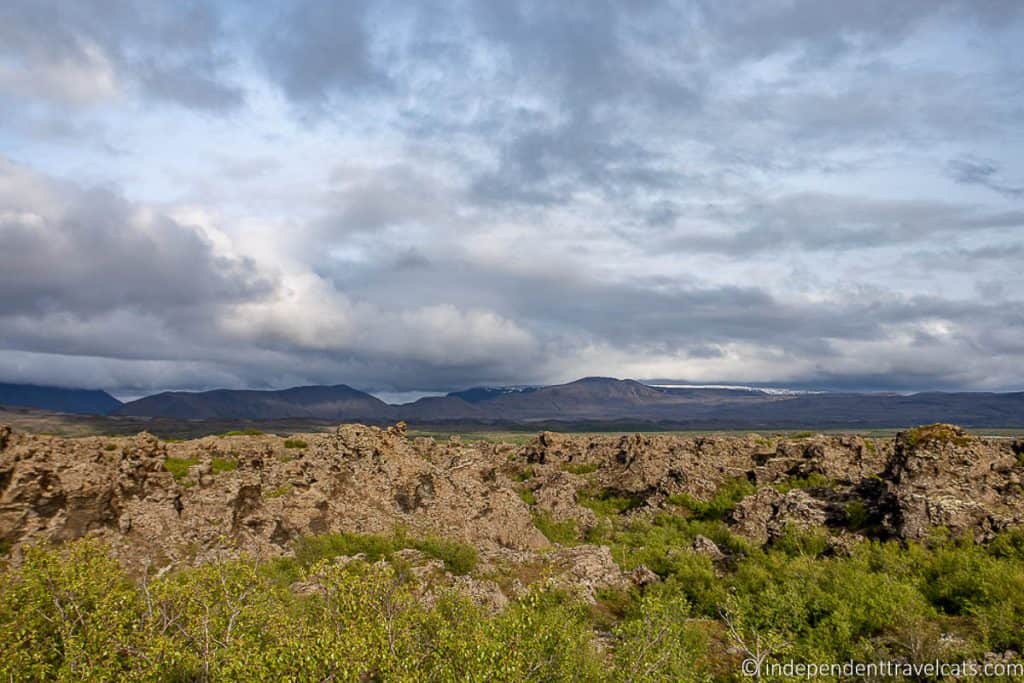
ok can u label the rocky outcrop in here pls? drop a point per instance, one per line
(253, 494)
(768, 514)
(941, 477)
(170, 503)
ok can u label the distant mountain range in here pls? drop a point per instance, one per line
(588, 400)
(59, 399)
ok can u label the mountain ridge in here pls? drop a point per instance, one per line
(58, 399)
(589, 400)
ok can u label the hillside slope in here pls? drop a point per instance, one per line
(340, 402)
(58, 399)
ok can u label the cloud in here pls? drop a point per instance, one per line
(88, 52)
(69, 249)
(421, 197)
(970, 171)
(315, 50)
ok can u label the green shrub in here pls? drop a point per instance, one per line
(295, 443)
(528, 496)
(68, 614)
(721, 504)
(458, 558)
(609, 501)
(661, 643)
(858, 517)
(814, 480)
(110, 447)
(72, 613)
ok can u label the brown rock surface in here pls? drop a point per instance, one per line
(253, 495)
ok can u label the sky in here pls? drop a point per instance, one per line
(413, 197)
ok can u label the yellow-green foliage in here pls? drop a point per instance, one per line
(280, 491)
(609, 501)
(71, 613)
(243, 432)
(179, 466)
(295, 443)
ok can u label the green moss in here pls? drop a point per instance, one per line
(581, 469)
(179, 466)
(243, 432)
(5, 546)
(528, 496)
(524, 474)
(219, 465)
(295, 443)
(563, 533)
(280, 491)
(935, 434)
(110, 447)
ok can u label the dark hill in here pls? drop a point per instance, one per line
(58, 399)
(339, 402)
(595, 400)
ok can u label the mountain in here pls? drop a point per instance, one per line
(58, 399)
(340, 402)
(603, 399)
(478, 394)
(591, 400)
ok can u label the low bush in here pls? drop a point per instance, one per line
(458, 558)
(72, 613)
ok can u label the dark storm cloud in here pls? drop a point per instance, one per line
(86, 251)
